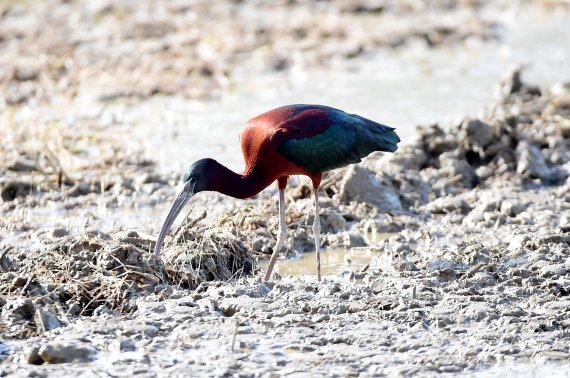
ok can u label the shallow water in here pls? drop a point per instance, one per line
(334, 261)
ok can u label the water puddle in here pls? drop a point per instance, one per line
(333, 261)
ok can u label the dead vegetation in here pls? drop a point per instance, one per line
(92, 274)
(50, 161)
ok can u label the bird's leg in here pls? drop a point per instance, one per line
(280, 236)
(317, 232)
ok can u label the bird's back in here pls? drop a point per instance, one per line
(260, 133)
(316, 138)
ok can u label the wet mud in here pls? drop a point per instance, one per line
(474, 275)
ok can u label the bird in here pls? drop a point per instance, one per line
(290, 140)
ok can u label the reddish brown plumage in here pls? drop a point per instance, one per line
(263, 134)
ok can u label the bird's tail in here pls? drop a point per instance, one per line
(380, 137)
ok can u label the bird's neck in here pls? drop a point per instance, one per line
(226, 181)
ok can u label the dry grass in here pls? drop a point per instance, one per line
(92, 274)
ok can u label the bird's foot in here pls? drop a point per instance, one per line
(280, 240)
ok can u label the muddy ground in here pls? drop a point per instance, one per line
(475, 276)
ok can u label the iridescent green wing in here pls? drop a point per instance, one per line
(347, 139)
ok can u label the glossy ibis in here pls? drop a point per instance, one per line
(290, 140)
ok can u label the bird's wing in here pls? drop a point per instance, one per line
(327, 138)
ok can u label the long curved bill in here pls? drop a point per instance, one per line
(182, 199)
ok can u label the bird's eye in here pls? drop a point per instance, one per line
(188, 178)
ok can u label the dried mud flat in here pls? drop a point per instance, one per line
(476, 275)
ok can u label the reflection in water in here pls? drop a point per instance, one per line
(333, 261)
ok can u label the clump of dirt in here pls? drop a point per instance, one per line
(258, 225)
(207, 254)
(522, 141)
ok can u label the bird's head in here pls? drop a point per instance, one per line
(196, 179)
(198, 175)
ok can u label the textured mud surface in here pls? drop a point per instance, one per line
(476, 275)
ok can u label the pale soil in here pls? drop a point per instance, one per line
(475, 277)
